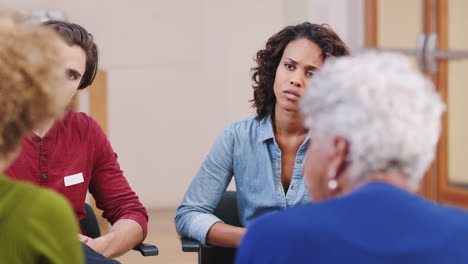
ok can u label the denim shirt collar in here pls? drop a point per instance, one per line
(266, 129)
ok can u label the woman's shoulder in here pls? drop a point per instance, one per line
(457, 216)
(249, 125)
(19, 190)
(49, 207)
(32, 201)
(49, 203)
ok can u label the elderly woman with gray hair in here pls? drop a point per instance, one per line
(375, 123)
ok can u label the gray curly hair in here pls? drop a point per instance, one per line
(387, 110)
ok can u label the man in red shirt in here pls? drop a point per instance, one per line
(73, 155)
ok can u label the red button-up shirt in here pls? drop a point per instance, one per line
(73, 157)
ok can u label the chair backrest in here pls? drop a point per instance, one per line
(227, 209)
(228, 212)
(89, 224)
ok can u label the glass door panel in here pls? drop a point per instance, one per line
(457, 95)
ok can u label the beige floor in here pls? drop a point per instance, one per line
(161, 232)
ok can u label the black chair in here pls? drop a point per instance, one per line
(91, 227)
(226, 211)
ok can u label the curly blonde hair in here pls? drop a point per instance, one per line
(31, 79)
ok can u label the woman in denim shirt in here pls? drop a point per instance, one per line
(264, 152)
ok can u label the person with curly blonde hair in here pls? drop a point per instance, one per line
(36, 225)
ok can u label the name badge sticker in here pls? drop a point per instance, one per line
(73, 179)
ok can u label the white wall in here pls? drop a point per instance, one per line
(179, 71)
(345, 17)
(190, 79)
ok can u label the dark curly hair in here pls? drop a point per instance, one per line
(75, 34)
(268, 59)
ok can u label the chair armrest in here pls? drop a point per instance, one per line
(147, 249)
(189, 245)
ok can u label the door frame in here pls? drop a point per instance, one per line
(435, 184)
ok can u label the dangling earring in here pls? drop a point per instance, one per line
(332, 183)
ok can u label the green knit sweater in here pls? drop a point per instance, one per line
(36, 226)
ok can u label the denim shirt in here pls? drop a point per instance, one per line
(246, 149)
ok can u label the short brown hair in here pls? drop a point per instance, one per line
(31, 80)
(268, 59)
(75, 34)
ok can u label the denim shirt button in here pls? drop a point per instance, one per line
(299, 161)
(293, 187)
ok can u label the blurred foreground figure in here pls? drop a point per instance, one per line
(36, 225)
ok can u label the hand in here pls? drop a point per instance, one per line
(83, 239)
(97, 244)
(122, 237)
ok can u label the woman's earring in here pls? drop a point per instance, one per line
(332, 184)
